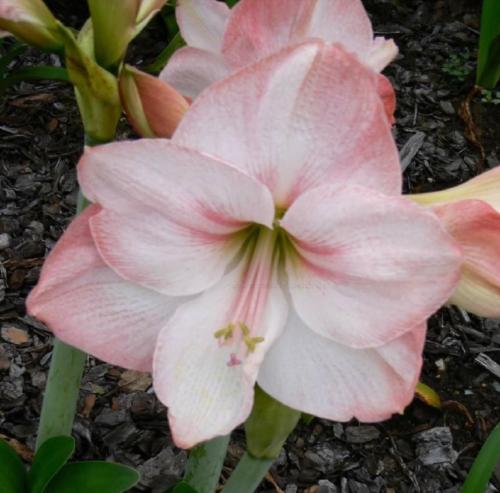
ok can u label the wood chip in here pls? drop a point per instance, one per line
(14, 335)
(88, 405)
(22, 450)
(488, 363)
(410, 149)
(134, 381)
(271, 480)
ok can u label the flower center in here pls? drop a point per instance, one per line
(244, 332)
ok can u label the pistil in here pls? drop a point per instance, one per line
(242, 331)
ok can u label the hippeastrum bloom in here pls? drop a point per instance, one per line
(267, 241)
(153, 107)
(471, 214)
(116, 23)
(32, 22)
(221, 40)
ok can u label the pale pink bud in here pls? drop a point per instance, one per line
(153, 107)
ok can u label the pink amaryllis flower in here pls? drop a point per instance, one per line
(470, 212)
(266, 242)
(221, 40)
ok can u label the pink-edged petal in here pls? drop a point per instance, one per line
(160, 254)
(342, 21)
(383, 52)
(316, 375)
(476, 227)
(367, 267)
(90, 307)
(302, 123)
(208, 386)
(258, 28)
(191, 70)
(202, 23)
(172, 217)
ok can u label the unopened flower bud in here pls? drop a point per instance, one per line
(153, 107)
(116, 23)
(32, 22)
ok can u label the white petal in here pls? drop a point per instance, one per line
(191, 70)
(208, 387)
(367, 266)
(172, 217)
(318, 376)
(202, 23)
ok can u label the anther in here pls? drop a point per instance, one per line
(226, 332)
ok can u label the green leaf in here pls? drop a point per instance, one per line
(491, 73)
(93, 477)
(15, 50)
(157, 66)
(269, 425)
(12, 473)
(488, 65)
(49, 460)
(182, 487)
(35, 73)
(486, 461)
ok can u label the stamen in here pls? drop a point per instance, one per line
(250, 342)
(226, 332)
(244, 329)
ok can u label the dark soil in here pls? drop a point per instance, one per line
(424, 450)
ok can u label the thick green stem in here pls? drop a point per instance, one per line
(63, 383)
(65, 374)
(248, 475)
(61, 393)
(205, 465)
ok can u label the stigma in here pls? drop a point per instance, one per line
(239, 335)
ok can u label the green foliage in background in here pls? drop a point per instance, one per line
(50, 472)
(488, 64)
(486, 461)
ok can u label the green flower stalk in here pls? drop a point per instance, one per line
(63, 384)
